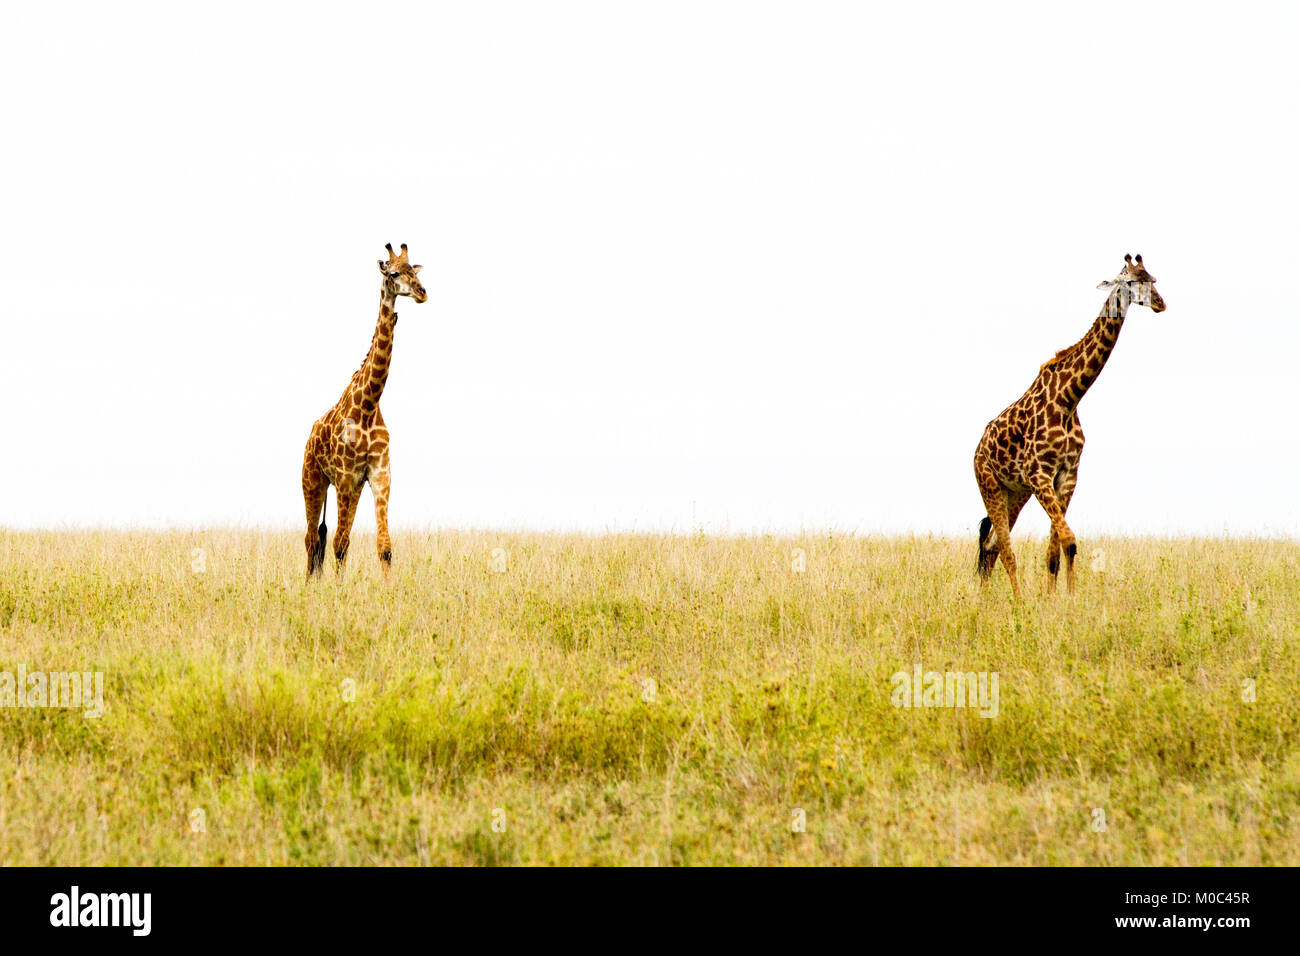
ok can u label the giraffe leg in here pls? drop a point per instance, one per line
(315, 488)
(1064, 492)
(1064, 486)
(1062, 537)
(380, 482)
(1053, 561)
(1015, 502)
(347, 513)
(988, 541)
(996, 505)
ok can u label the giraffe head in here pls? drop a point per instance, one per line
(400, 275)
(1140, 284)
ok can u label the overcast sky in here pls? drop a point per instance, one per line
(737, 266)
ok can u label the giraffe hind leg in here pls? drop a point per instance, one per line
(315, 489)
(999, 513)
(347, 506)
(989, 546)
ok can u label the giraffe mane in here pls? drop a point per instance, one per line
(1057, 358)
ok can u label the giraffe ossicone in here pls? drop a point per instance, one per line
(1033, 448)
(348, 445)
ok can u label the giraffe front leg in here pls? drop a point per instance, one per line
(380, 483)
(347, 513)
(1064, 492)
(1062, 537)
(1064, 488)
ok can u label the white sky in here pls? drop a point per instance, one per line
(733, 265)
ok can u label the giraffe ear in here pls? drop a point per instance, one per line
(416, 269)
(383, 266)
(1108, 284)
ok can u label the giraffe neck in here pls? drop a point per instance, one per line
(374, 371)
(1088, 356)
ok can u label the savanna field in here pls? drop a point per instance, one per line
(632, 699)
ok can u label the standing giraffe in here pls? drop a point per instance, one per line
(348, 445)
(1033, 447)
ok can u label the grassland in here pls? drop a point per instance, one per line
(646, 700)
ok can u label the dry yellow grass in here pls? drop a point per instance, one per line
(646, 700)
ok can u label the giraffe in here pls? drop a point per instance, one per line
(348, 445)
(1033, 447)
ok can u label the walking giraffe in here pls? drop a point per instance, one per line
(1033, 447)
(348, 445)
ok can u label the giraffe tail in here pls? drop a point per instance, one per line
(986, 526)
(318, 557)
